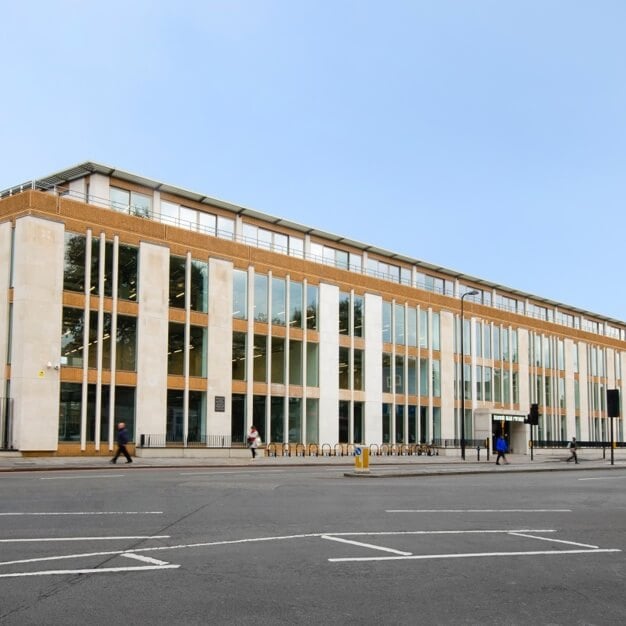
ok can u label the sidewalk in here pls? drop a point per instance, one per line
(379, 466)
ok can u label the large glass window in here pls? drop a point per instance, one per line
(312, 364)
(69, 412)
(130, 202)
(260, 298)
(72, 338)
(295, 362)
(399, 386)
(295, 420)
(312, 305)
(277, 419)
(399, 423)
(199, 288)
(174, 424)
(239, 356)
(386, 372)
(436, 379)
(126, 343)
(197, 350)
(411, 327)
(196, 421)
(344, 421)
(278, 301)
(423, 328)
(344, 368)
(260, 359)
(238, 418)
(400, 336)
(127, 273)
(359, 312)
(358, 369)
(258, 415)
(344, 313)
(386, 322)
(175, 349)
(295, 304)
(312, 420)
(386, 417)
(177, 282)
(240, 294)
(74, 265)
(358, 429)
(412, 376)
(278, 360)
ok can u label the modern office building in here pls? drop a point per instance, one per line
(189, 318)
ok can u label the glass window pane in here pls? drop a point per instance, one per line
(295, 304)
(260, 359)
(225, 227)
(295, 420)
(278, 301)
(175, 350)
(127, 273)
(358, 370)
(239, 356)
(344, 313)
(278, 360)
(312, 365)
(197, 351)
(177, 282)
(240, 294)
(260, 298)
(344, 368)
(295, 362)
(358, 316)
(74, 268)
(312, 307)
(126, 343)
(206, 223)
(72, 338)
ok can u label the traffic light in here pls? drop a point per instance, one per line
(533, 416)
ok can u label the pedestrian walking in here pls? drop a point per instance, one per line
(122, 440)
(572, 451)
(501, 448)
(254, 439)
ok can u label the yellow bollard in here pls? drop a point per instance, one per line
(361, 459)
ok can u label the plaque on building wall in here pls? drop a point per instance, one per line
(220, 404)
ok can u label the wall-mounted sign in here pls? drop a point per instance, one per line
(500, 417)
(220, 404)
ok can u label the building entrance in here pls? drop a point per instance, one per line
(513, 428)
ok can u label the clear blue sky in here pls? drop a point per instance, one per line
(486, 136)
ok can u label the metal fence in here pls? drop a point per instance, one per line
(166, 441)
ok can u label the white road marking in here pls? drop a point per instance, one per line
(145, 559)
(44, 513)
(103, 570)
(604, 478)
(570, 543)
(43, 539)
(229, 542)
(261, 471)
(365, 545)
(83, 476)
(424, 557)
(478, 511)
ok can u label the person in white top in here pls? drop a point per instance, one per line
(253, 440)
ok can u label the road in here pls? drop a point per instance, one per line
(298, 545)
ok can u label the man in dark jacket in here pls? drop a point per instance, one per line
(122, 440)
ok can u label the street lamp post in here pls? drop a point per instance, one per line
(473, 292)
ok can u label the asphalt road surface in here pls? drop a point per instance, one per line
(311, 546)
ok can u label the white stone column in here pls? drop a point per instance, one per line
(328, 316)
(152, 340)
(373, 320)
(36, 334)
(220, 347)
